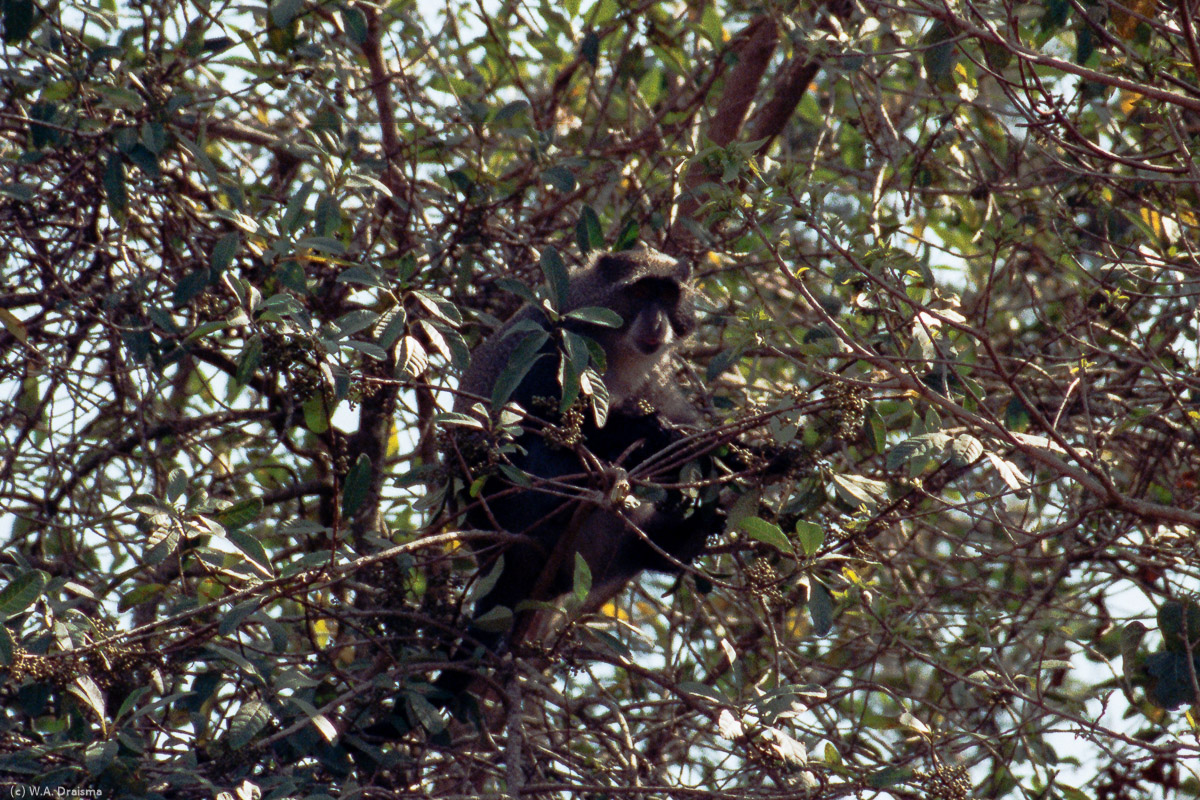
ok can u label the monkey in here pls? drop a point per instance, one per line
(563, 510)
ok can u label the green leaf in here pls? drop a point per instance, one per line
(856, 491)
(355, 321)
(514, 286)
(939, 57)
(497, 620)
(560, 177)
(176, 484)
(889, 776)
(284, 11)
(250, 718)
(223, 252)
(583, 579)
(139, 595)
(316, 413)
(115, 193)
(190, 286)
(588, 234)
(14, 325)
(820, 608)
(918, 447)
(964, 450)
(595, 315)
(424, 712)
(86, 690)
(357, 485)
(234, 617)
(18, 20)
(355, 23)
(811, 536)
(22, 592)
(556, 276)
(523, 357)
(241, 513)
(721, 362)
(1170, 679)
(250, 358)
(363, 276)
(253, 550)
(628, 236)
(705, 691)
(1171, 622)
(148, 504)
(8, 648)
(1016, 416)
(767, 533)
(589, 48)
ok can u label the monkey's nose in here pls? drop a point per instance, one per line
(651, 338)
(651, 343)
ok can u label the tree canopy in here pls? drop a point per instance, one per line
(948, 251)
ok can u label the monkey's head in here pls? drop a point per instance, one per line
(652, 294)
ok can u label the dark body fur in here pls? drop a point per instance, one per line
(651, 292)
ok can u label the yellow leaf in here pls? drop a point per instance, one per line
(1126, 23)
(611, 609)
(14, 325)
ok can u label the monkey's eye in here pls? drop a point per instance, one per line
(659, 290)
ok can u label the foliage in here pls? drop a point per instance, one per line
(948, 250)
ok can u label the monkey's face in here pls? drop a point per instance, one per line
(656, 314)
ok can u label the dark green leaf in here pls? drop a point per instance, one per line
(397, 320)
(363, 276)
(811, 536)
(18, 20)
(1016, 416)
(767, 533)
(820, 608)
(424, 712)
(556, 276)
(560, 178)
(516, 287)
(355, 23)
(357, 485)
(589, 48)
(595, 315)
(1171, 622)
(251, 717)
(939, 58)
(190, 286)
(519, 363)
(177, 482)
(1170, 679)
(889, 776)
(114, 185)
(583, 579)
(22, 592)
(8, 648)
(233, 618)
(588, 234)
(241, 513)
(721, 362)
(284, 11)
(139, 595)
(355, 321)
(223, 252)
(1054, 15)
(628, 236)
(248, 363)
